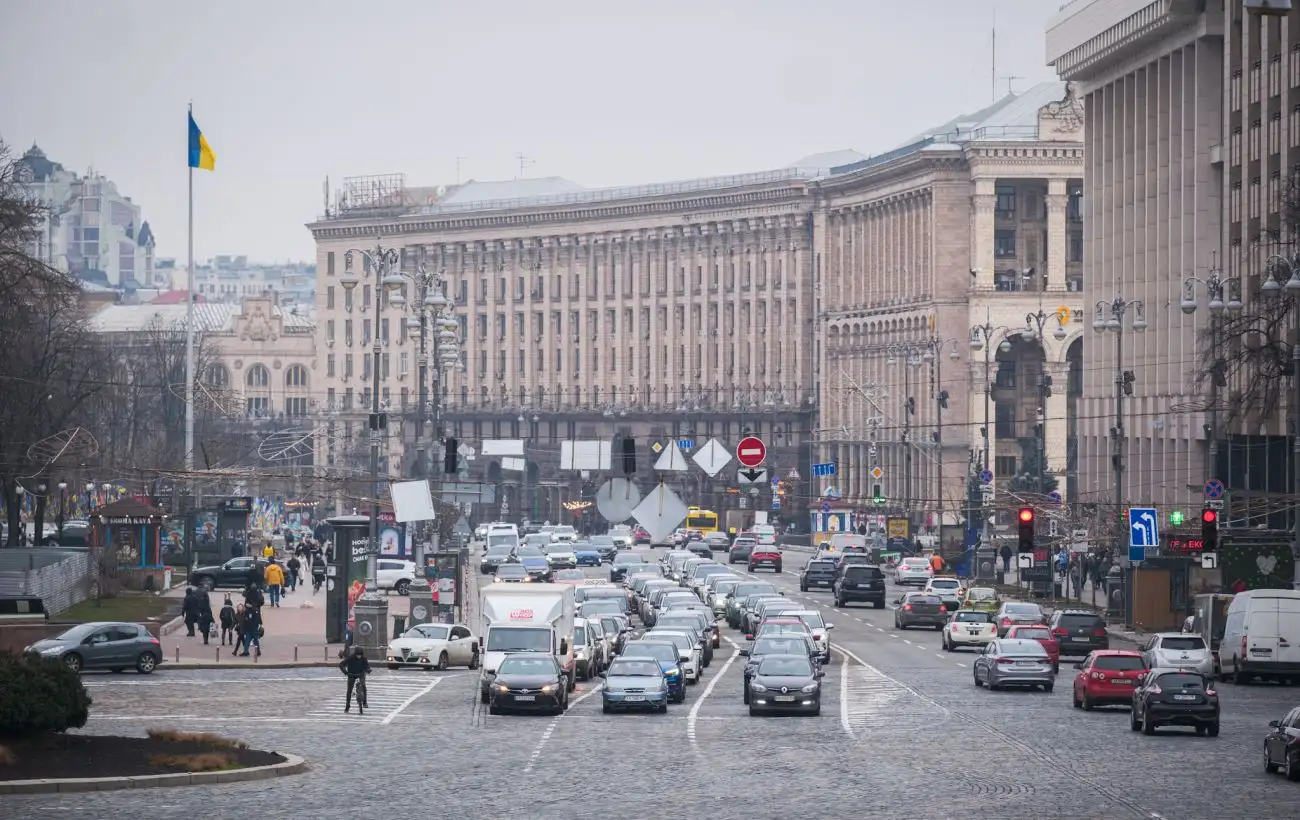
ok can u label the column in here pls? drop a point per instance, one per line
(983, 203)
(1056, 432)
(1057, 199)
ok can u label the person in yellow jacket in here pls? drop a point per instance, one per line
(274, 581)
(268, 552)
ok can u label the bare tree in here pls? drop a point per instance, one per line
(50, 367)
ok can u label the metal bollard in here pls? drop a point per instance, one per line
(178, 654)
(217, 657)
(295, 653)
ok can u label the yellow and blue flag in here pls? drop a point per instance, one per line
(201, 154)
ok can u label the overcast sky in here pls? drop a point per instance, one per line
(602, 93)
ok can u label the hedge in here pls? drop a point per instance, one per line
(38, 697)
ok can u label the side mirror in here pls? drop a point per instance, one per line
(829, 627)
(744, 653)
(1078, 666)
(819, 674)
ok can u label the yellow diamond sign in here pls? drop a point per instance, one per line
(877, 473)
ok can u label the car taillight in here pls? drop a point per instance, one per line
(1211, 693)
(1243, 646)
(154, 641)
(1098, 676)
(907, 607)
(1005, 660)
(1060, 630)
(943, 608)
(1099, 633)
(1006, 622)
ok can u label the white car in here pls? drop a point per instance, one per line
(560, 554)
(1178, 651)
(821, 631)
(969, 627)
(623, 536)
(946, 589)
(433, 646)
(565, 535)
(688, 648)
(395, 574)
(913, 571)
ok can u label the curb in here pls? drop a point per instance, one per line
(171, 626)
(293, 764)
(163, 667)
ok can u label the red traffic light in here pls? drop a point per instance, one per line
(1026, 515)
(1209, 516)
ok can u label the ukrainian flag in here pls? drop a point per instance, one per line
(201, 154)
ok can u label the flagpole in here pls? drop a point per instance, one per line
(189, 340)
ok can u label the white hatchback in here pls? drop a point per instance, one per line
(913, 571)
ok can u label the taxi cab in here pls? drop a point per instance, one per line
(984, 599)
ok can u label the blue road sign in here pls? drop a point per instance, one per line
(686, 443)
(1143, 528)
(1137, 554)
(1055, 495)
(1214, 489)
(824, 469)
(826, 506)
(776, 504)
(986, 476)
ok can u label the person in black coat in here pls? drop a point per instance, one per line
(190, 609)
(227, 618)
(205, 619)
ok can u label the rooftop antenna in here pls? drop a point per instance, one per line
(459, 160)
(993, 52)
(1010, 78)
(524, 162)
(326, 189)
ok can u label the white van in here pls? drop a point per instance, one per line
(1261, 636)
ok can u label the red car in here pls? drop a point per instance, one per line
(1107, 677)
(765, 556)
(1044, 636)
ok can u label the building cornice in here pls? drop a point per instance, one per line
(909, 168)
(1085, 46)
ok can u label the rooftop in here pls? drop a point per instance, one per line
(210, 317)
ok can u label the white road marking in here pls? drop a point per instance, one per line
(694, 714)
(550, 729)
(962, 665)
(412, 699)
(845, 724)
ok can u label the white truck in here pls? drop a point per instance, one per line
(525, 618)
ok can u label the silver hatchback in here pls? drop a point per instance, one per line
(1175, 650)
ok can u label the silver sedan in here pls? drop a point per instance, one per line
(1014, 662)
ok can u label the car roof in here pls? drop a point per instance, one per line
(1176, 670)
(1176, 635)
(783, 618)
(1015, 643)
(531, 655)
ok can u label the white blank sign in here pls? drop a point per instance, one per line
(514, 465)
(503, 447)
(412, 501)
(584, 455)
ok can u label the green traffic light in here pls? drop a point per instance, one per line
(1176, 517)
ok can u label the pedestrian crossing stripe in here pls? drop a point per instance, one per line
(383, 697)
(876, 701)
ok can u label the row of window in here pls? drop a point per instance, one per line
(1005, 245)
(259, 407)
(1034, 205)
(258, 376)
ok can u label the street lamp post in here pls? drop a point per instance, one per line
(933, 353)
(1216, 288)
(63, 505)
(1035, 327)
(912, 361)
(1272, 287)
(1109, 316)
(981, 339)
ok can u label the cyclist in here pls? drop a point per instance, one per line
(356, 667)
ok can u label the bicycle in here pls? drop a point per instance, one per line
(360, 693)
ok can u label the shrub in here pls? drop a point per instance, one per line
(199, 762)
(37, 697)
(213, 741)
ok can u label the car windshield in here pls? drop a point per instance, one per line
(611, 625)
(77, 633)
(813, 620)
(725, 587)
(501, 541)
(945, 583)
(1033, 633)
(526, 666)
(915, 563)
(634, 669)
(980, 594)
(1023, 609)
(1180, 680)
(570, 575)
(510, 571)
(1183, 643)
(644, 649)
(515, 639)
(1119, 663)
(779, 646)
(605, 607)
(1023, 648)
(743, 590)
(601, 541)
(680, 641)
(625, 560)
(431, 631)
(785, 667)
(974, 617)
(782, 629)
(528, 552)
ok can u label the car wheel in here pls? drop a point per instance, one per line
(1074, 700)
(803, 588)
(146, 663)
(947, 647)
(483, 698)
(604, 707)
(1048, 687)
(978, 683)
(442, 661)
(818, 711)
(662, 709)
(745, 698)
(939, 627)
(73, 661)
(1291, 766)
(1133, 723)
(473, 659)
(1148, 725)
(1213, 731)
(839, 602)
(402, 587)
(493, 709)
(752, 711)
(1087, 704)
(778, 569)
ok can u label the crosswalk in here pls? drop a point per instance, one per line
(386, 697)
(872, 700)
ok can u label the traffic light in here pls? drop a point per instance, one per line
(629, 456)
(1209, 530)
(449, 458)
(1026, 529)
(877, 494)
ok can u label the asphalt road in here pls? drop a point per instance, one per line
(903, 732)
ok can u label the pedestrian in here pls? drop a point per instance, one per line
(239, 629)
(205, 616)
(268, 552)
(190, 609)
(295, 570)
(227, 617)
(252, 631)
(1006, 558)
(253, 595)
(274, 581)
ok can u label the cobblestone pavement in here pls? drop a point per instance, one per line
(903, 732)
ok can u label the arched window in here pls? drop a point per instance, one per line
(295, 376)
(258, 376)
(217, 376)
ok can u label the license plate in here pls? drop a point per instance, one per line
(785, 698)
(972, 631)
(1026, 665)
(1122, 681)
(526, 698)
(823, 583)
(633, 698)
(1184, 697)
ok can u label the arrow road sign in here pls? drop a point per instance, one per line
(1209, 560)
(751, 451)
(1025, 560)
(1143, 528)
(752, 476)
(712, 457)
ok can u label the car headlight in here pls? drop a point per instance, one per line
(613, 691)
(500, 687)
(757, 687)
(548, 688)
(809, 689)
(672, 674)
(53, 650)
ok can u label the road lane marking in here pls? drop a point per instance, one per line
(550, 729)
(844, 698)
(962, 665)
(412, 699)
(694, 714)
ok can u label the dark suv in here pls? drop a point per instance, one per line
(860, 582)
(848, 559)
(1078, 631)
(237, 573)
(817, 573)
(1175, 697)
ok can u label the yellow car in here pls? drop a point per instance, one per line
(983, 599)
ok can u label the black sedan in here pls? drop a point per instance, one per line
(781, 646)
(623, 562)
(786, 684)
(528, 682)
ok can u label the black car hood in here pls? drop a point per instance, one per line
(526, 681)
(793, 683)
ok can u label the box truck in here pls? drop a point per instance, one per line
(525, 618)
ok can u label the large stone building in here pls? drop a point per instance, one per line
(976, 223)
(666, 312)
(1193, 146)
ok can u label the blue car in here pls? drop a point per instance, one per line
(666, 655)
(587, 558)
